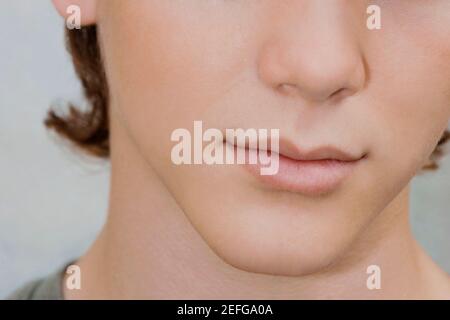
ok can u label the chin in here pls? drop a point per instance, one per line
(282, 241)
(275, 260)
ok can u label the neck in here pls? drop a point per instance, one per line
(149, 250)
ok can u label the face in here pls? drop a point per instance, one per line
(314, 71)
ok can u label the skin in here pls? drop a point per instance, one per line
(315, 71)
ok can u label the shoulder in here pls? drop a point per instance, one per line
(49, 288)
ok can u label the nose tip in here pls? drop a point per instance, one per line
(303, 56)
(314, 73)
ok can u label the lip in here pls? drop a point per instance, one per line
(313, 172)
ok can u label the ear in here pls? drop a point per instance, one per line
(88, 9)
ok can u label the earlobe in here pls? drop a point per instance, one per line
(87, 9)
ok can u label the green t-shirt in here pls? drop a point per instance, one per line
(49, 288)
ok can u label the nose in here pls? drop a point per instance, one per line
(313, 51)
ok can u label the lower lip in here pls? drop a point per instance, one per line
(313, 178)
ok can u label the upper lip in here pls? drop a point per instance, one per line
(322, 152)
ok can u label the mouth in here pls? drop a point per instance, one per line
(313, 172)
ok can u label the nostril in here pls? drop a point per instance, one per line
(287, 89)
(340, 94)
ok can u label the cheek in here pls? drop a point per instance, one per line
(170, 49)
(173, 70)
(410, 78)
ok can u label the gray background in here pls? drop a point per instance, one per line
(53, 201)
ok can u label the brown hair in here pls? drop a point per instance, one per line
(89, 130)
